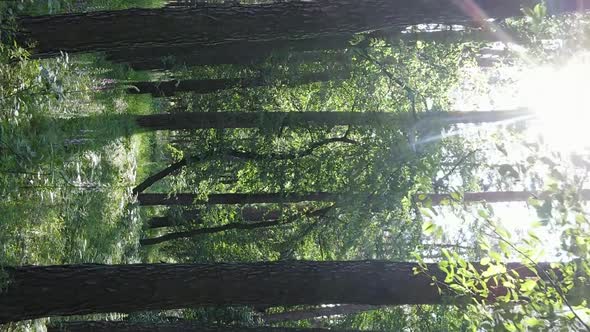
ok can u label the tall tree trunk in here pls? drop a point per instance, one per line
(343, 309)
(247, 214)
(208, 230)
(149, 199)
(187, 326)
(209, 24)
(253, 52)
(40, 291)
(221, 120)
(161, 221)
(236, 53)
(173, 168)
(492, 197)
(234, 225)
(186, 216)
(169, 88)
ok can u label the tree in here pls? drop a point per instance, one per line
(124, 326)
(254, 52)
(491, 197)
(39, 291)
(234, 225)
(235, 53)
(221, 120)
(149, 199)
(209, 230)
(217, 24)
(248, 214)
(169, 88)
(343, 309)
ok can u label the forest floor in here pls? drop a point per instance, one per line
(66, 185)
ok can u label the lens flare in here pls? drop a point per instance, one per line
(560, 98)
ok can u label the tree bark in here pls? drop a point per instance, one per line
(161, 221)
(223, 228)
(248, 53)
(492, 197)
(207, 230)
(236, 53)
(222, 120)
(150, 199)
(208, 24)
(173, 168)
(41, 291)
(124, 326)
(306, 50)
(193, 216)
(170, 88)
(343, 309)
(247, 214)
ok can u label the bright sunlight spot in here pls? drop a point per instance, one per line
(559, 97)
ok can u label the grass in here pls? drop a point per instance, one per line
(66, 185)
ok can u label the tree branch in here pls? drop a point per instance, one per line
(173, 168)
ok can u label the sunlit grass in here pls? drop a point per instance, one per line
(67, 184)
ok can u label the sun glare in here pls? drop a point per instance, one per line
(560, 98)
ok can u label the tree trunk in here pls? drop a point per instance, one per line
(169, 88)
(223, 228)
(193, 216)
(237, 53)
(221, 120)
(247, 214)
(150, 199)
(306, 50)
(41, 291)
(173, 168)
(188, 326)
(162, 221)
(343, 309)
(208, 24)
(492, 197)
(208, 230)
(253, 52)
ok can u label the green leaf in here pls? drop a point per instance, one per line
(508, 284)
(528, 285)
(485, 261)
(494, 269)
(503, 232)
(458, 288)
(483, 213)
(428, 227)
(509, 326)
(532, 322)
